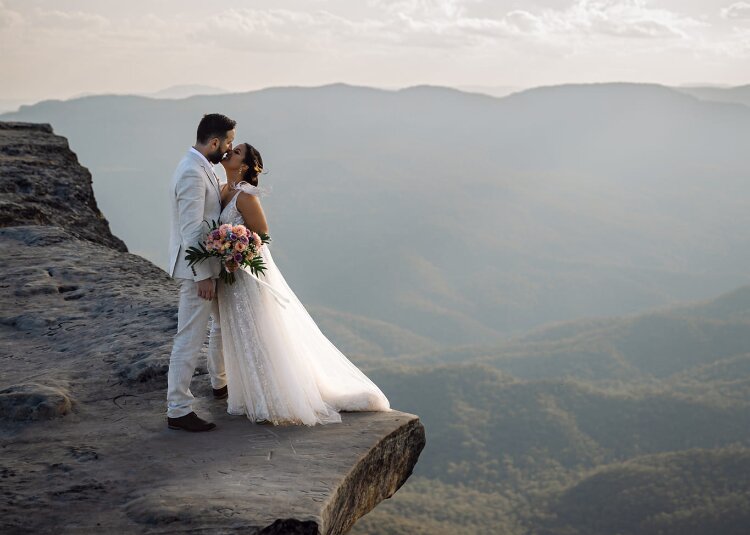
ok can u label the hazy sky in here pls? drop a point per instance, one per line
(53, 48)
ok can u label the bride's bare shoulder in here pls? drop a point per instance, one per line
(248, 198)
(252, 212)
(249, 204)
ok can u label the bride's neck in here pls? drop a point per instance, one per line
(233, 177)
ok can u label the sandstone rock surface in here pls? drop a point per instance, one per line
(43, 184)
(85, 331)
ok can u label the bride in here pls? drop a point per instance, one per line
(280, 367)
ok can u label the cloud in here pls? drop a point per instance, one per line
(76, 20)
(738, 10)
(283, 30)
(441, 24)
(386, 25)
(423, 8)
(619, 18)
(295, 31)
(735, 45)
(463, 32)
(449, 23)
(37, 24)
(9, 18)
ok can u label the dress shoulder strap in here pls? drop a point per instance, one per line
(248, 188)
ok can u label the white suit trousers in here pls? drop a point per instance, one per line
(192, 322)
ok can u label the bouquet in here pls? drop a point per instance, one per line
(236, 246)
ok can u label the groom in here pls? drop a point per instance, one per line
(195, 198)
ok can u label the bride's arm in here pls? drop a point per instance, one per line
(252, 212)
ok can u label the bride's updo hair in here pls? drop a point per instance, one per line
(254, 164)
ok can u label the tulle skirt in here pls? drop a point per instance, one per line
(280, 367)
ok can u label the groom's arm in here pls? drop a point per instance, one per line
(191, 197)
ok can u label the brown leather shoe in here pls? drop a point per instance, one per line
(190, 422)
(221, 393)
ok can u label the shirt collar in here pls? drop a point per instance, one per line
(208, 164)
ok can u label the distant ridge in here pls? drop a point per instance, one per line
(739, 94)
(459, 218)
(185, 91)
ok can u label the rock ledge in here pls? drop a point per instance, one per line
(85, 334)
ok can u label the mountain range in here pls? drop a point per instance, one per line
(460, 218)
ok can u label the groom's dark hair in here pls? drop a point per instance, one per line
(214, 125)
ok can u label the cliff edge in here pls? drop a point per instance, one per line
(85, 330)
(42, 183)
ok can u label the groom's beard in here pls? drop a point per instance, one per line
(215, 157)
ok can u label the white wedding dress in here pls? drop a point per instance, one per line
(280, 366)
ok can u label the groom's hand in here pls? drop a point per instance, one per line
(206, 289)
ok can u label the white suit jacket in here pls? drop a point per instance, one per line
(195, 198)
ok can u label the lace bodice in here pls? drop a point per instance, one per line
(230, 214)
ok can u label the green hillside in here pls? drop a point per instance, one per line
(645, 347)
(357, 335)
(631, 425)
(691, 492)
(488, 430)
